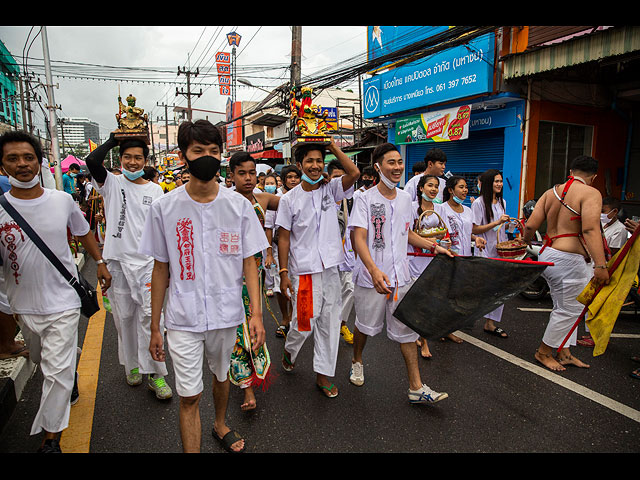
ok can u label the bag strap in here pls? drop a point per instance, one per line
(73, 281)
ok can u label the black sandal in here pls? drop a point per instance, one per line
(497, 332)
(228, 440)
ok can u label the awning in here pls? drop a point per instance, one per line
(588, 48)
(331, 156)
(267, 154)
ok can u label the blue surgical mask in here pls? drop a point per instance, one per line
(270, 188)
(72, 174)
(424, 197)
(309, 181)
(133, 175)
(457, 200)
(437, 200)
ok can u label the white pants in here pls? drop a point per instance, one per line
(53, 344)
(325, 322)
(187, 350)
(567, 278)
(346, 280)
(373, 309)
(130, 299)
(272, 277)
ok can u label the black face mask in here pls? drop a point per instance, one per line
(366, 183)
(204, 168)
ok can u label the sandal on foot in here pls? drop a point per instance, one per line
(327, 390)
(636, 373)
(498, 332)
(287, 365)
(228, 440)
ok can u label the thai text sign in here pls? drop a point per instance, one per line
(455, 73)
(440, 126)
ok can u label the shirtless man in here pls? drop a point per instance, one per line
(572, 212)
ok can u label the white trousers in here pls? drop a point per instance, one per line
(130, 299)
(272, 277)
(325, 322)
(53, 345)
(567, 278)
(187, 350)
(373, 309)
(348, 302)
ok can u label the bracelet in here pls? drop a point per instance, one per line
(433, 248)
(98, 262)
(600, 266)
(283, 270)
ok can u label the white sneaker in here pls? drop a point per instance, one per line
(160, 387)
(425, 396)
(356, 376)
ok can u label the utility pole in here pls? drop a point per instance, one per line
(166, 123)
(296, 55)
(51, 106)
(188, 93)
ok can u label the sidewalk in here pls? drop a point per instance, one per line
(14, 375)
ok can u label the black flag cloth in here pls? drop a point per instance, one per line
(452, 293)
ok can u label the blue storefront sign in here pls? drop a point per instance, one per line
(454, 73)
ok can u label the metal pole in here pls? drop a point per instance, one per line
(53, 131)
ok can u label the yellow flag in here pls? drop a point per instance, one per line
(92, 146)
(606, 304)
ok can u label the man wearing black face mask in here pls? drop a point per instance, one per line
(203, 239)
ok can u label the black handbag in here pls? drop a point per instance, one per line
(88, 294)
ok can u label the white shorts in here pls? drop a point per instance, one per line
(373, 309)
(187, 350)
(4, 301)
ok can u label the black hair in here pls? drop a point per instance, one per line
(14, 136)
(381, 150)
(486, 192)
(452, 181)
(238, 158)
(334, 165)
(74, 166)
(304, 148)
(201, 131)
(584, 163)
(612, 202)
(286, 170)
(149, 172)
(435, 155)
(133, 143)
(418, 167)
(369, 170)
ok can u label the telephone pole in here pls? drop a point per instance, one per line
(296, 56)
(188, 93)
(51, 106)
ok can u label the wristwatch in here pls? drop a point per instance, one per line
(98, 262)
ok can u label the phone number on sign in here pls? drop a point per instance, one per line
(440, 87)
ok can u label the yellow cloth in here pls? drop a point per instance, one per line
(167, 187)
(606, 304)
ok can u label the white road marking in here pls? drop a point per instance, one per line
(556, 378)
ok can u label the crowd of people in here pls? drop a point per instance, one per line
(188, 263)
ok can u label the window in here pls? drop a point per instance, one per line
(558, 145)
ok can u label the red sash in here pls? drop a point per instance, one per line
(304, 303)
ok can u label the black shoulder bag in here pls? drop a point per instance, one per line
(88, 295)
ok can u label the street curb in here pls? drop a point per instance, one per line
(14, 375)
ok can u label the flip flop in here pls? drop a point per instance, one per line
(636, 373)
(497, 332)
(20, 352)
(228, 440)
(327, 390)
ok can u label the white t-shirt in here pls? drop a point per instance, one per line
(616, 235)
(33, 284)
(387, 223)
(418, 264)
(204, 244)
(315, 242)
(460, 226)
(491, 236)
(411, 187)
(126, 206)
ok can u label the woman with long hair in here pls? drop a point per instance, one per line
(458, 217)
(488, 216)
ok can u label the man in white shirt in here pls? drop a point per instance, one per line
(127, 200)
(46, 305)
(436, 161)
(310, 251)
(203, 238)
(382, 218)
(614, 230)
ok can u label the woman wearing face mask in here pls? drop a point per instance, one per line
(458, 218)
(488, 216)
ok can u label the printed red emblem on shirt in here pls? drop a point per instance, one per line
(184, 230)
(229, 243)
(8, 240)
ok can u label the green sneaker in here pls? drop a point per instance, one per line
(160, 387)
(134, 377)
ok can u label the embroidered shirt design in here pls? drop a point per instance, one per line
(378, 215)
(8, 240)
(184, 231)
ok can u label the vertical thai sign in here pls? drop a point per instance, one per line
(234, 123)
(223, 66)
